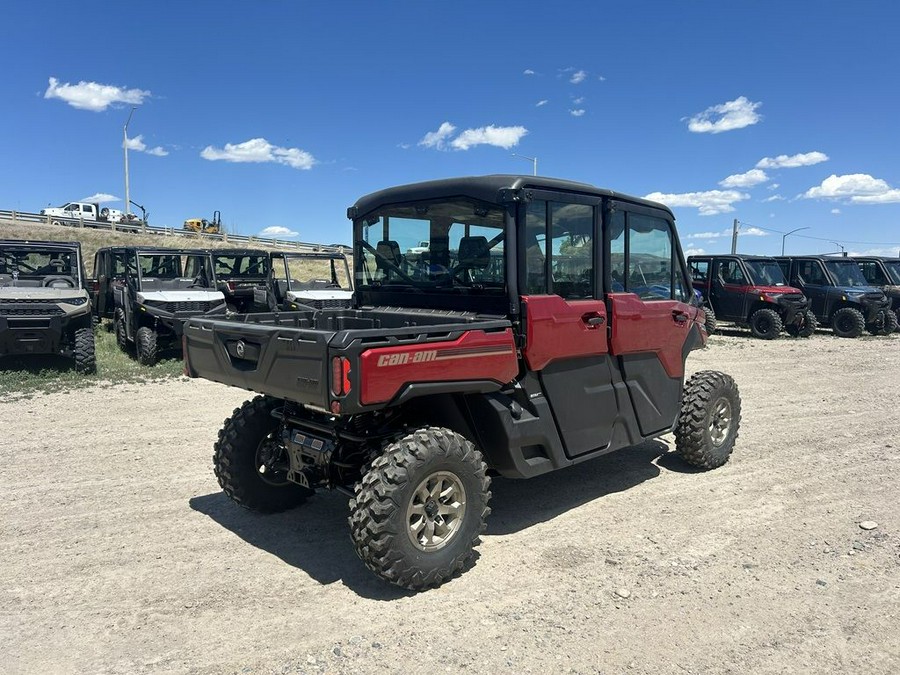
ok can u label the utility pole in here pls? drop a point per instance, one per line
(125, 143)
(734, 235)
(533, 161)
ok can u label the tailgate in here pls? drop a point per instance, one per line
(284, 362)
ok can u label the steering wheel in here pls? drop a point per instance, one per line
(58, 282)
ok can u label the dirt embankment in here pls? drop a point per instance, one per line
(120, 554)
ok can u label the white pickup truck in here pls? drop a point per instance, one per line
(90, 211)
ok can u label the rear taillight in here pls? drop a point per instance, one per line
(230, 285)
(340, 376)
(95, 286)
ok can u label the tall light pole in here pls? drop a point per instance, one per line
(125, 144)
(840, 246)
(533, 161)
(787, 233)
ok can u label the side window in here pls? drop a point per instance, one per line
(118, 264)
(536, 248)
(650, 254)
(810, 272)
(730, 272)
(617, 261)
(872, 273)
(699, 270)
(559, 249)
(572, 250)
(785, 266)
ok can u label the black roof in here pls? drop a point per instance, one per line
(336, 255)
(741, 256)
(237, 251)
(491, 189)
(154, 249)
(814, 256)
(27, 243)
(882, 258)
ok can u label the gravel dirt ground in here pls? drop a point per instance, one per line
(119, 553)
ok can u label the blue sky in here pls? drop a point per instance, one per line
(280, 114)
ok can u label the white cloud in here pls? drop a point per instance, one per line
(437, 139)
(578, 101)
(577, 112)
(727, 116)
(836, 211)
(578, 77)
(501, 137)
(404, 146)
(92, 95)
(542, 102)
(857, 188)
(694, 251)
(745, 180)
(748, 231)
(601, 78)
(528, 71)
(709, 203)
(137, 143)
(259, 150)
(792, 161)
(101, 198)
(774, 198)
(773, 186)
(277, 231)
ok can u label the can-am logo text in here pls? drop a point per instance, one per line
(405, 357)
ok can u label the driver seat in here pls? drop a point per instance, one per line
(474, 254)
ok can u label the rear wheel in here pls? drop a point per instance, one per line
(119, 327)
(85, 360)
(885, 324)
(848, 322)
(804, 327)
(145, 345)
(709, 420)
(419, 510)
(251, 463)
(711, 323)
(765, 324)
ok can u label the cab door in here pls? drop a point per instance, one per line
(566, 318)
(729, 289)
(653, 324)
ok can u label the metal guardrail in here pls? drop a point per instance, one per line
(21, 217)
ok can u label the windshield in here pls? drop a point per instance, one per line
(439, 247)
(765, 273)
(846, 273)
(316, 273)
(241, 266)
(36, 265)
(175, 271)
(893, 270)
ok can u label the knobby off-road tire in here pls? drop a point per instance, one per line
(83, 351)
(897, 316)
(709, 421)
(886, 324)
(848, 322)
(145, 346)
(119, 328)
(247, 443)
(765, 324)
(711, 323)
(805, 328)
(420, 508)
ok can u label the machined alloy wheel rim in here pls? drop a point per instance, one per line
(720, 421)
(436, 510)
(268, 453)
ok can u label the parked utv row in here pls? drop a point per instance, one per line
(795, 293)
(148, 293)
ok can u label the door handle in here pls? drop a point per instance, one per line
(594, 321)
(679, 316)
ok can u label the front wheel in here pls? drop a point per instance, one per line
(419, 510)
(804, 326)
(711, 323)
(251, 463)
(146, 347)
(85, 360)
(885, 324)
(765, 324)
(710, 417)
(120, 329)
(848, 322)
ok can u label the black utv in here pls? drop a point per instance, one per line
(239, 274)
(44, 305)
(885, 274)
(840, 295)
